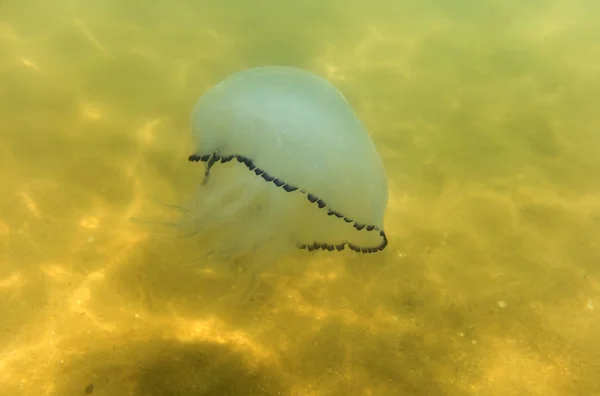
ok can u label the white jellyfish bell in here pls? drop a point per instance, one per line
(288, 165)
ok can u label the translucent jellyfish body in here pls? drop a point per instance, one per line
(288, 165)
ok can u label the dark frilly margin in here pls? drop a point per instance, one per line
(212, 159)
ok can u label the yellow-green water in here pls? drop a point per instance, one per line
(486, 115)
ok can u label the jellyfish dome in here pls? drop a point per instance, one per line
(287, 164)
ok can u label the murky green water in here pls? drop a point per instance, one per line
(485, 114)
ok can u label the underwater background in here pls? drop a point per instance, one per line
(485, 114)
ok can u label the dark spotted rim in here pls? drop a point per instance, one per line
(212, 159)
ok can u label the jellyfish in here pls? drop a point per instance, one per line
(288, 165)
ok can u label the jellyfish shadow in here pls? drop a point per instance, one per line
(165, 368)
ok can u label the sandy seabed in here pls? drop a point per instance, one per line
(485, 117)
